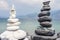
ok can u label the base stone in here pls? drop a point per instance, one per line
(13, 35)
(37, 37)
(45, 31)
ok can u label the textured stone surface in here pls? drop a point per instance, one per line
(45, 9)
(45, 21)
(46, 24)
(44, 18)
(37, 37)
(46, 3)
(45, 32)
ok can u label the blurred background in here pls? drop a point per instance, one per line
(27, 11)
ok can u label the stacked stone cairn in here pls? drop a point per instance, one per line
(45, 21)
(13, 32)
(45, 31)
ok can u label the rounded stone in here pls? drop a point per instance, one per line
(46, 3)
(46, 24)
(36, 37)
(13, 20)
(12, 28)
(44, 18)
(45, 9)
(45, 32)
(19, 34)
(14, 24)
(44, 13)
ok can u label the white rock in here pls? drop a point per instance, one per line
(13, 20)
(14, 24)
(20, 34)
(13, 28)
(13, 32)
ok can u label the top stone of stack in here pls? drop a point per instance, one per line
(46, 3)
(46, 6)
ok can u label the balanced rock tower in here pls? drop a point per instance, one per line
(13, 32)
(45, 31)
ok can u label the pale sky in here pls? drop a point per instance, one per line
(24, 7)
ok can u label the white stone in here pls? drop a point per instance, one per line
(15, 24)
(13, 12)
(19, 34)
(13, 32)
(13, 28)
(13, 20)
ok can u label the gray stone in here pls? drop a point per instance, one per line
(46, 3)
(37, 37)
(44, 13)
(45, 9)
(44, 18)
(46, 24)
(58, 38)
(45, 32)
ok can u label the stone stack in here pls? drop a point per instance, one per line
(13, 32)
(13, 22)
(45, 31)
(45, 21)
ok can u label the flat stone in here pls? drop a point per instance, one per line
(45, 9)
(45, 32)
(46, 3)
(46, 24)
(44, 18)
(39, 37)
(44, 13)
(19, 34)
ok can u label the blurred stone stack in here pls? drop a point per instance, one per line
(45, 21)
(45, 31)
(13, 32)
